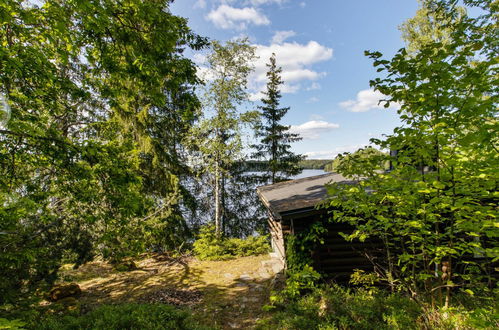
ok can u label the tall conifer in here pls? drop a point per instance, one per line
(275, 138)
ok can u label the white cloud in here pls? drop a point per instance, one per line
(265, 2)
(313, 99)
(286, 88)
(290, 88)
(205, 73)
(296, 61)
(199, 58)
(312, 129)
(314, 86)
(316, 117)
(332, 153)
(303, 4)
(227, 17)
(200, 4)
(280, 36)
(366, 100)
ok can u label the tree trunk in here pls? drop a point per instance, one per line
(218, 209)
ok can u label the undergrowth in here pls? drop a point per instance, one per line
(210, 247)
(123, 316)
(336, 307)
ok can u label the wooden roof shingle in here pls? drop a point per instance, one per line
(297, 194)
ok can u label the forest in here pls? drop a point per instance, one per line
(127, 182)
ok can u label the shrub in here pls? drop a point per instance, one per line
(11, 324)
(210, 247)
(298, 282)
(336, 307)
(125, 316)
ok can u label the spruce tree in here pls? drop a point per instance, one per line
(275, 138)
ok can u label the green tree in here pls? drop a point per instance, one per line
(429, 26)
(87, 161)
(366, 152)
(217, 138)
(275, 138)
(436, 210)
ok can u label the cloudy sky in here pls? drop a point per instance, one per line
(320, 45)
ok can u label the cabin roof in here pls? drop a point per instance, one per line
(297, 194)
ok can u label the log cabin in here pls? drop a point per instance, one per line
(293, 206)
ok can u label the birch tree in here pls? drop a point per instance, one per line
(219, 133)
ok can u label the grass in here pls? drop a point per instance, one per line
(335, 307)
(212, 291)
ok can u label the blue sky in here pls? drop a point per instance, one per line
(320, 45)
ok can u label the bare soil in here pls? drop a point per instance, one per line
(227, 294)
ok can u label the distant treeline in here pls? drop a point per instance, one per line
(328, 165)
(316, 164)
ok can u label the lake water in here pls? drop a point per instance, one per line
(309, 172)
(304, 174)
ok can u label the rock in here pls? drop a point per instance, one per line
(258, 288)
(228, 275)
(277, 267)
(125, 266)
(245, 277)
(64, 290)
(264, 274)
(241, 285)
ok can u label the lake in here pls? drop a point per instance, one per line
(309, 172)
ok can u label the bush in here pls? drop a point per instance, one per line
(336, 307)
(125, 316)
(11, 324)
(210, 247)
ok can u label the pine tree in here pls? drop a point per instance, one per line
(275, 138)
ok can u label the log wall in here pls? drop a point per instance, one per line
(336, 258)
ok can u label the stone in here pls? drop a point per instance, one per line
(277, 267)
(264, 274)
(125, 266)
(245, 277)
(64, 290)
(258, 288)
(241, 285)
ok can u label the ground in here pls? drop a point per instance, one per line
(229, 294)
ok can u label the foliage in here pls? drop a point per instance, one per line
(366, 152)
(210, 246)
(124, 316)
(298, 282)
(428, 26)
(275, 138)
(216, 142)
(316, 164)
(89, 160)
(336, 307)
(436, 210)
(300, 275)
(11, 324)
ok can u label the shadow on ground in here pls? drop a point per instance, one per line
(227, 294)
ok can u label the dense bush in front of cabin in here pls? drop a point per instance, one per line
(336, 307)
(209, 246)
(125, 316)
